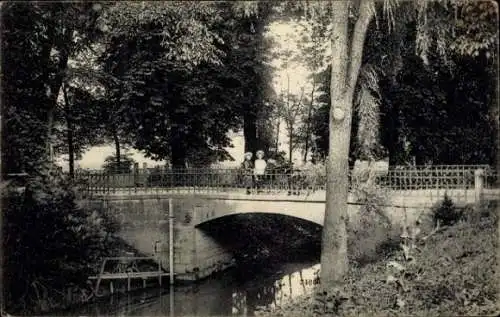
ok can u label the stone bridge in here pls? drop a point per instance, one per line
(143, 219)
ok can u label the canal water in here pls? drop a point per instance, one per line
(232, 293)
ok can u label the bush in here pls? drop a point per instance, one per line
(371, 235)
(371, 239)
(446, 213)
(488, 209)
(50, 244)
(111, 166)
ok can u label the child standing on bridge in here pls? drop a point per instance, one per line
(247, 171)
(260, 169)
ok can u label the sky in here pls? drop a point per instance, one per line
(286, 36)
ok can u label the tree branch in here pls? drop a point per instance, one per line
(366, 13)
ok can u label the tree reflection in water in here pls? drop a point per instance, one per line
(273, 292)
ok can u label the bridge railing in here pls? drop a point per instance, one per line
(430, 177)
(222, 180)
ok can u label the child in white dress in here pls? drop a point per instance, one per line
(259, 169)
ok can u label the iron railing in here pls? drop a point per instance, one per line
(293, 181)
(491, 179)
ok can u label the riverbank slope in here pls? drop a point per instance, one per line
(453, 273)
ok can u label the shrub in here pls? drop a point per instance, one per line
(371, 235)
(488, 209)
(111, 166)
(50, 244)
(446, 213)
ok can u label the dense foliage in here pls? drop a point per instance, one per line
(50, 244)
(37, 41)
(437, 113)
(178, 104)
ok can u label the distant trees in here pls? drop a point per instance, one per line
(248, 60)
(123, 166)
(291, 109)
(170, 89)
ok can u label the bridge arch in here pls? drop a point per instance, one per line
(310, 211)
(308, 217)
(258, 237)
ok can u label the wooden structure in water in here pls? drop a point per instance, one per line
(128, 268)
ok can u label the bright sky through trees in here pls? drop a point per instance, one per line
(286, 35)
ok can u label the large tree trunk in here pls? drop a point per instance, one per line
(178, 151)
(334, 262)
(495, 112)
(345, 69)
(69, 125)
(250, 130)
(118, 157)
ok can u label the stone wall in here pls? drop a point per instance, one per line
(144, 224)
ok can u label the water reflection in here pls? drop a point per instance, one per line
(275, 290)
(224, 295)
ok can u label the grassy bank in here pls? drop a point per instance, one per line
(452, 272)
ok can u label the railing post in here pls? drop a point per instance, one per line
(171, 240)
(135, 176)
(478, 186)
(145, 175)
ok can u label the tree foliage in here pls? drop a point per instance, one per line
(49, 243)
(177, 101)
(124, 166)
(38, 40)
(418, 108)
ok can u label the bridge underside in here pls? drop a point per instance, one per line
(256, 238)
(312, 211)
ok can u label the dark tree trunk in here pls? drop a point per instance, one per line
(69, 125)
(117, 151)
(278, 134)
(178, 152)
(250, 131)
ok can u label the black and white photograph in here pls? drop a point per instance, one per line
(262, 158)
